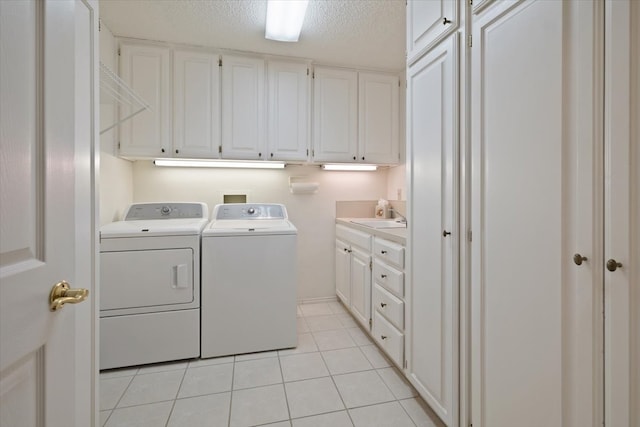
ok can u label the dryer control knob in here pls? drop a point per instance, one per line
(251, 211)
(165, 210)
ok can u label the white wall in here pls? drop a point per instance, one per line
(312, 214)
(116, 183)
(397, 183)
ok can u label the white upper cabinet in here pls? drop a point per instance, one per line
(432, 291)
(335, 115)
(243, 108)
(196, 104)
(288, 110)
(378, 115)
(145, 68)
(429, 22)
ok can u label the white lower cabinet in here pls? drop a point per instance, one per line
(370, 282)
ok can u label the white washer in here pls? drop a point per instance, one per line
(248, 280)
(150, 284)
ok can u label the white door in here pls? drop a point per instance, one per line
(196, 104)
(335, 115)
(622, 214)
(145, 68)
(288, 111)
(432, 308)
(47, 371)
(378, 118)
(361, 286)
(243, 108)
(343, 275)
(429, 22)
(536, 315)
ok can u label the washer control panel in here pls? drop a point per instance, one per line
(250, 211)
(146, 211)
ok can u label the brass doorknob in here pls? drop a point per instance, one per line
(578, 259)
(613, 265)
(62, 294)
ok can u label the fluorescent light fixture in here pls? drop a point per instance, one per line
(284, 19)
(188, 163)
(348, 167)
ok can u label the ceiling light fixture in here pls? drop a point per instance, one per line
(284, 19)
(187, 163)
(348, 167)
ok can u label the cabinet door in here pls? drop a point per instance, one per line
(243, 108)
(335, 115)
(429, 22)
(378, 115)
(288, 110)
(145, 69)
(536, 317)
(196, 104)
(431, 296)
(361, 286)
(343, 274)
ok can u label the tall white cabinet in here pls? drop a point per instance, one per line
(432, 291)
(540, 169)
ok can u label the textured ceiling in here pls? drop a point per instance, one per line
(356, 33)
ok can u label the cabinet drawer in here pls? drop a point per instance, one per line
(355, 237)
(388, 277)
(389, 338)
(389, 251)
(389, 306)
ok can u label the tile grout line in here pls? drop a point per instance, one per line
(173, 405)
(338, 390)
(284, 388)
(233, 371)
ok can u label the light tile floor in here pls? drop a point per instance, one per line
(335, 377)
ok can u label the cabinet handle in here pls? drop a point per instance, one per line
(362, 157)
(384, 276)
(613, 265)
(162, 150)
(271, 154)
(346, 250)
(383, 305)
(383, 252)
(445, 21)
(578, 259)
(177, 151)
(445, 233)
(259, 154)
(354, 157)
(384, 337)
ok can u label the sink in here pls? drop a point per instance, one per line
(380, 223)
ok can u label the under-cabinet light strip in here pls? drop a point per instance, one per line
(348, 167)
(186, 163)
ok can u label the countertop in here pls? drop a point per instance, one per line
(398, 235)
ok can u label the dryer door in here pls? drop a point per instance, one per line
(147, 278)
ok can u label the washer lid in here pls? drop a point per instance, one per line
(154, 227)
(227, 227)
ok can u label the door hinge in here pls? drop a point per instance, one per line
(219, 62)
(370, 322)
(307, 71)
(307, 151)
(219, 148)
(118, 145)
(470, 236)
(370, 265)
(313, 75)
(313, 153)
(470, 2)
(405, 364)
(99, 25)
(118, 51)
(470, 40)
(398, 83)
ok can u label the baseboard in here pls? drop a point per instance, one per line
(317, 300)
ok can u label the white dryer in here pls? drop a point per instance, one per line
(150, 284)
(248, 280)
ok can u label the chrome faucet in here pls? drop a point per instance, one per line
(396, 214)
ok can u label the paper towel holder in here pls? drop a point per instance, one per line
(302, 185)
